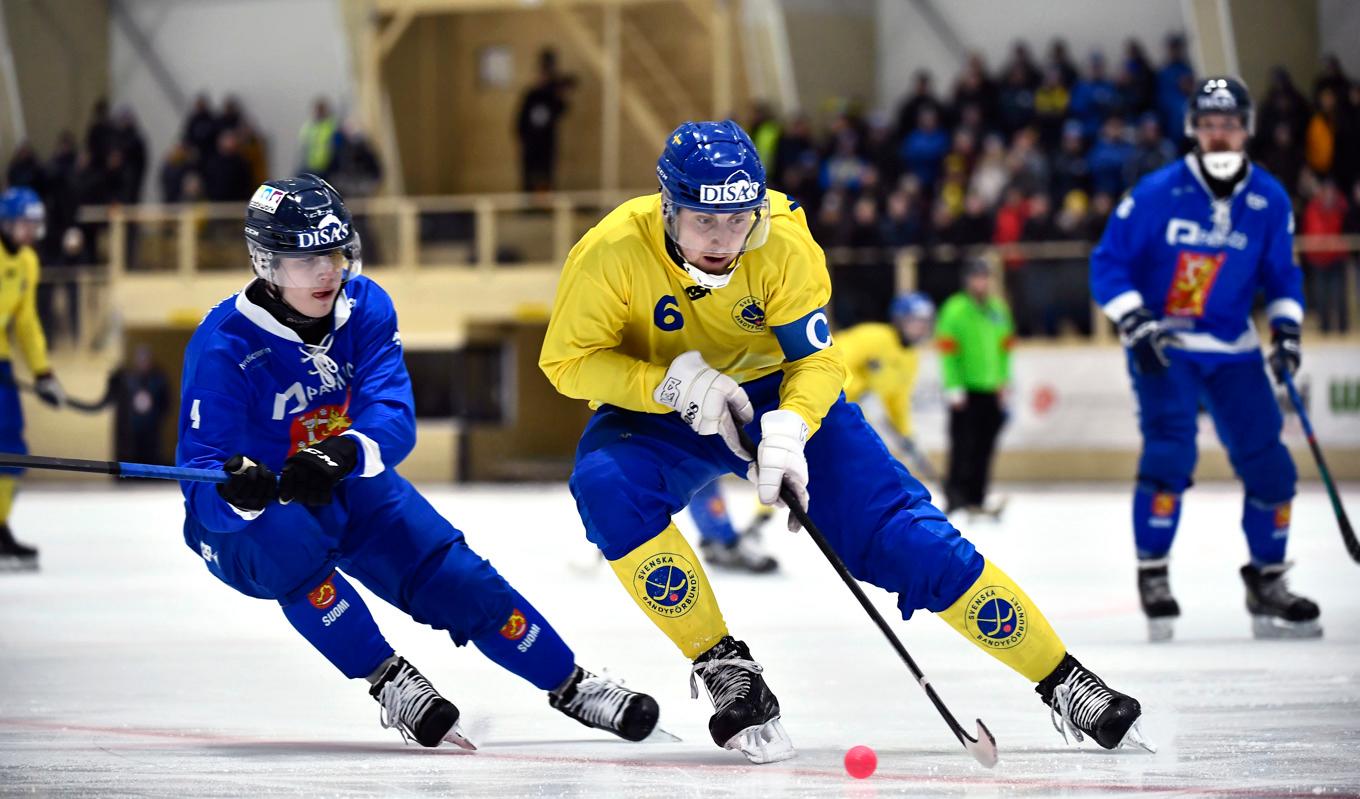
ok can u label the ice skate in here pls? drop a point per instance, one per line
(1154, 591)
(745, 711)
(745, 554)
(1275, 611)
(415, 708)
(1081, 703)
(605, 704)
(14, 556)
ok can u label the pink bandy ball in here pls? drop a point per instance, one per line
(860, 762)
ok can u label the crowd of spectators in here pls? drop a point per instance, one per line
(1040, 151)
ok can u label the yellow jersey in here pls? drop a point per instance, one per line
(625, 310)
(19, 307)
(879, 363)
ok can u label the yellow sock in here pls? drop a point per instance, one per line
(997, 616)
(666, 579)
(7, 486)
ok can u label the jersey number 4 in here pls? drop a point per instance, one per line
(666, 314)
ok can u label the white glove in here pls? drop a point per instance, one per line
(708, 400)
(49, 390)
(780, 461)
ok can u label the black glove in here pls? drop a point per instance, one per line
(251, 487)
(310, 475)
(1145, 336)
(1285, 351)
(49, 390)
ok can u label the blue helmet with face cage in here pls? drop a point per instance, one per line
(712, 166)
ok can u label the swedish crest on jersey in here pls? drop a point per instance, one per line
(749, 315)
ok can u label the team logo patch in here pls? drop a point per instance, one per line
(1163, 504)
(1194, 279)
(996, 618)
(267, 198)
(315, 426)
(1282, 514)
(748, 315)
(667, 585)
(323, 596)
(516, 626)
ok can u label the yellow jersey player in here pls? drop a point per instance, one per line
(21, 224)
(684, 314)
(883, 359)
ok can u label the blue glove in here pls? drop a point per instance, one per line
(1147, 339)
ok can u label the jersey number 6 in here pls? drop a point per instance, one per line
(666, 315)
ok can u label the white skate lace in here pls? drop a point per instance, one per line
(1077, 703)
(1273, 586)
(323, 365)
(403, 700)
(599, 701)
(727, 685)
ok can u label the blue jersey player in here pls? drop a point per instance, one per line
(1178, 269)
(301, 374)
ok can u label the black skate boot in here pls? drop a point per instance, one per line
(1275, 611)
(745, 711)
(14, 556)
(1160, 607)
(742, 555)
(1081, 702)
(415, 708)
(605, 704)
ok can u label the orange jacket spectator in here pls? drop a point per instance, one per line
(1320, 141)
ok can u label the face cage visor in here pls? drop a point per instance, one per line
(705, 232)
(34, 216)
(312, 270)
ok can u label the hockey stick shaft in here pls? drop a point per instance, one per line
(1343, 521)
(71, 402)
(113, 468)
(983, 747)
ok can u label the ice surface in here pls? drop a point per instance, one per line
(127, 669)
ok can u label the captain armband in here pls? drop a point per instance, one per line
(801, 338)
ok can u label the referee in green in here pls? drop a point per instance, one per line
(975, 334)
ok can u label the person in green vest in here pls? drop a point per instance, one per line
(318, 138)
(974, 334)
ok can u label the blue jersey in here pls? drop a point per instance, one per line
(252, 387)
(1197, 261)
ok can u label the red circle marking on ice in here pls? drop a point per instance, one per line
(860, 762)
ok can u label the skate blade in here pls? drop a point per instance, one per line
(18, 565)
(1135, 738)
(1271, 627)
(660, 736)
(1162, 629)
(456, 737)
(766, 743)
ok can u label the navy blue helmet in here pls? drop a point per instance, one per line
(1220, 95)
(296, 219)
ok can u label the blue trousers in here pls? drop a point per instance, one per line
(709, 511)
(1239, 398)
(381, 531)
(636, 470)
(11, 418)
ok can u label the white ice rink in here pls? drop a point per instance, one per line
(126, 669)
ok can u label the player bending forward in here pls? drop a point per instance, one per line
(685, 314)
(1178, 270)
(302, 374)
